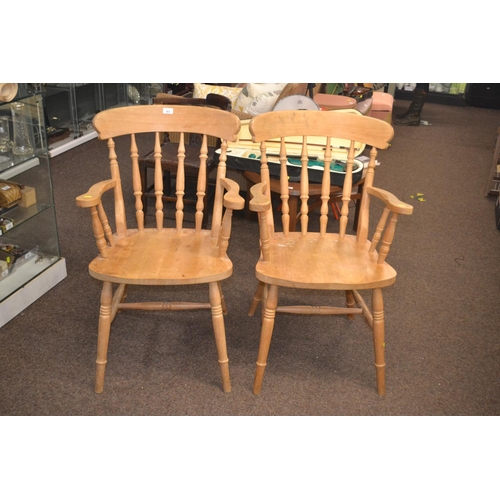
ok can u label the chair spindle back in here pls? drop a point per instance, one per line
(341, 134)
(158, 120)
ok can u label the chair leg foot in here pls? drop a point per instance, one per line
(259, 376)
(265, 336)
(99, 377)
(103, 335)
(380, 380)
(226, 380)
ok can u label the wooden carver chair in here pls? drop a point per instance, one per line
(133, 254)
(318, 258)
(191, 160)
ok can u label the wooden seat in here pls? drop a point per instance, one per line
(191, 160)
(319, 257)
(130, 252)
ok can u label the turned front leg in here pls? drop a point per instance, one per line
(268, 317)
(103, 335)
(378, 338)
(220, 334)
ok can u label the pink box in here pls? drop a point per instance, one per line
(382, 106)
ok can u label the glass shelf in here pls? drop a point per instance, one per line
(18, 215)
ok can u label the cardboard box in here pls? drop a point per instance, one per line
(28, 197)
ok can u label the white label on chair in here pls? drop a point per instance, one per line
(168, 111)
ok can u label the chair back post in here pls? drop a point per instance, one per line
(285, 208)
(325, 187)
(218, 204)
(158, 183)
(363, 220)
(201, 183)
(120, 219)
(266, 179)
(304, 187)
(180, 183)
(346, 192)
(136, 183)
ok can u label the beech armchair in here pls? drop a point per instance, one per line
(322, 256)
(130, 252)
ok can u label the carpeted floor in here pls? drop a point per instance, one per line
(442, 315)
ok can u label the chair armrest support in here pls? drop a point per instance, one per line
(391, 201)
(92, 197)
(100, 225)
(259, 202)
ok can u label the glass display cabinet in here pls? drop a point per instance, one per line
(113, 95)
(30, 259)
(70, 107)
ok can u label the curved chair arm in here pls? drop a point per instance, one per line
(391, 202)
(259, 202)
(92, 197)
(232, 198)
(232, 201)
(384, 235)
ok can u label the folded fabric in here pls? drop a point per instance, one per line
(251, 90)
(263, 103)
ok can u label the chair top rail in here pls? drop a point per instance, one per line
(166, 118)
(363, 129)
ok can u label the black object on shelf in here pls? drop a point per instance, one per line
(484, 95)
(360, 93)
